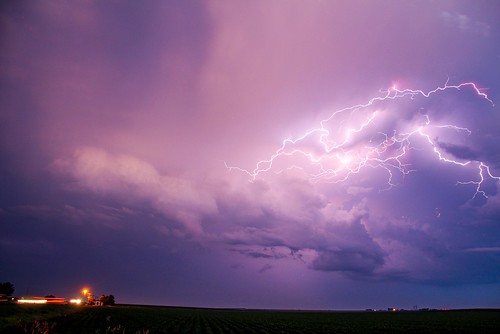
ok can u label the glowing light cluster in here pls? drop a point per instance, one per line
(32, 301)
(350, 140)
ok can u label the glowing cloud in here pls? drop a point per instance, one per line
(364, 136)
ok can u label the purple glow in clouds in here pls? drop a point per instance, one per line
(345, 143)
(117, 119)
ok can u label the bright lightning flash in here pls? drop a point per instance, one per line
(350, 140)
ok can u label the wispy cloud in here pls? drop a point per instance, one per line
(482, 250)
(465, 23)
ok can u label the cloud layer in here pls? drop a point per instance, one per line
(120, 120)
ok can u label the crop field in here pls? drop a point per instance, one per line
(152, 319)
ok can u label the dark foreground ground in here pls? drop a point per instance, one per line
(152, 319)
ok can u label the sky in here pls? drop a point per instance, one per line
(259, 154)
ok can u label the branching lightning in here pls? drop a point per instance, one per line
(347, 142)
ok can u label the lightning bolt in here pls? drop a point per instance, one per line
(346, 142)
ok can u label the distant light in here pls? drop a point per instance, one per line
(55, 300)
(32, 301)
(76, 301)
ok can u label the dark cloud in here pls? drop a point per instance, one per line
(354, 262)
(254, 254)
(459, 151)
(265, 268)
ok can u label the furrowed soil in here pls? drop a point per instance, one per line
(155, 319)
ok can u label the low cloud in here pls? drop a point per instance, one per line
(355, 262)
(265, 268)
(132, 179)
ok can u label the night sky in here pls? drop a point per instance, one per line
(260, 154)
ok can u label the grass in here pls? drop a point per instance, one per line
(12, 314)
(153, 319)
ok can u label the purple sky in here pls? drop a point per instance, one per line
(119, 120)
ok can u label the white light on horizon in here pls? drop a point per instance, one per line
(32, 301)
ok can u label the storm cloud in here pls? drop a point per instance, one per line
(131, 135)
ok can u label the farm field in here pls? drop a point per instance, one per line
(155, 319)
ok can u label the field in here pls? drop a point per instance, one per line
(150, 319)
